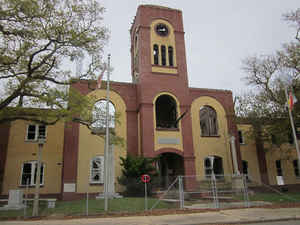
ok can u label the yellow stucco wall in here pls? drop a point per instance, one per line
(20, 151)
(286, 154)
(92, 145)
(248, 153)
(168, 40)
(206, 146)
(175, 134)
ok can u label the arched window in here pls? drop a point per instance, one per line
(213, 165)
(29, 172)
(99, 115)
(166, 113)
(155, 54)
(170, 53)
(163, 55)
(208, 121)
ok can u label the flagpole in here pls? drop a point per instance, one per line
(293, 128)
(106, 139)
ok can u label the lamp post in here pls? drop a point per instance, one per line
(99, 131)
(35, 210)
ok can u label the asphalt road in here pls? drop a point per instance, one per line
(289, 222)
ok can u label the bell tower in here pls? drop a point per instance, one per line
(158, 66)
(157, 46)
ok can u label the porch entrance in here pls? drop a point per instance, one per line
(170, 166)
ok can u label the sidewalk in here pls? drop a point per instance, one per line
(232, 216)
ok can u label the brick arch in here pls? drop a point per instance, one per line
(168, 150)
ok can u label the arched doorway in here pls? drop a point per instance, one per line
(170, 166)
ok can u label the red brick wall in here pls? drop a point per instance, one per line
(4, 134)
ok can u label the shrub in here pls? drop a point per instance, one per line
(133, 168)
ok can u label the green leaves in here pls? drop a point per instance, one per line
(38, 42)
(264, 107)
(133, 168)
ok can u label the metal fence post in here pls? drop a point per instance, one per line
(146, 200)
(87, 203)
(214, 190)
(245, 191)
(181, 192)
(26, 198)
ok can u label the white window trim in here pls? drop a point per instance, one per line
(32, 183)
(101, 181)
(37, 127)
(208, 176)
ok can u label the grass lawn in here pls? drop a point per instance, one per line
(275, 197)
(95, 207)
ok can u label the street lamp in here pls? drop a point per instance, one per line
(35, 210)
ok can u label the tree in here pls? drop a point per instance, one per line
(39, 39)
(133, 168)
(269, 75)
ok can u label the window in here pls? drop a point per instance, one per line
(241, 137)
(213, 164)
(163, 55)
(29, 172)
(278, 167)
(296, 168)
(170, 53)
(208, 121)
(155, 54)
(99, 115)
(166, 113)
(245, 169)
(35, 131)
(97, 170)
(208, 166)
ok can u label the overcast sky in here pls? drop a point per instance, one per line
(218, 35)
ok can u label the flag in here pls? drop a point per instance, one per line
(100, 77)
(292, 100)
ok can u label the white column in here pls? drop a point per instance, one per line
(234, 156)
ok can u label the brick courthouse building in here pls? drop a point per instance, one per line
(160, 115)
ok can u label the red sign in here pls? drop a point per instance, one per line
(145, 178)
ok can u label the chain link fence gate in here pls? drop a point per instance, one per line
(204, 192)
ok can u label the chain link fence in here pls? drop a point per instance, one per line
(225, 191)
(172, 192)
